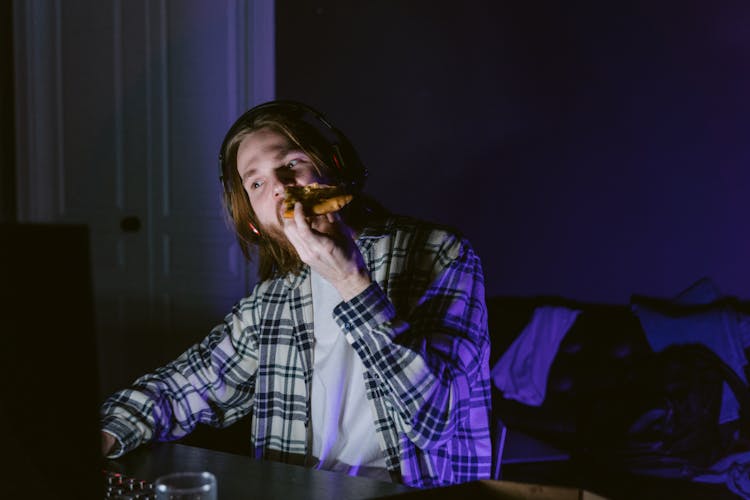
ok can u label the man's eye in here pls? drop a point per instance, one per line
(292, 163)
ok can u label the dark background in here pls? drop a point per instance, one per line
(587, 149)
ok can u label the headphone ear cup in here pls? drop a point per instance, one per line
(348, 164)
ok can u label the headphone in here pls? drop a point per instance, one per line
(344, 159)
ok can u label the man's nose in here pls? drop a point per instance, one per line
(278, 189)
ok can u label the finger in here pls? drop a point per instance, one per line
(300, 221)
(300, 244)
(292, 230)
(315, 226)
(290, 225)
(284, 219)
(324, 224)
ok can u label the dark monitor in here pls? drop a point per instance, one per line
(48, 367)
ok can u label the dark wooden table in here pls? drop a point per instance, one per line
(241, 477)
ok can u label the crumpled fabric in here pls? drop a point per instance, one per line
(521, 372)
(733, 470)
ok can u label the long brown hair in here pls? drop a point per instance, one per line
(332, 155)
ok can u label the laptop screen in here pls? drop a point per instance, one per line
(48, 367)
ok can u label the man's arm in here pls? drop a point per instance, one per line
(212, 383)
(433, 359)
(433, 364)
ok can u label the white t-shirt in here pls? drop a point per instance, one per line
(344, 437)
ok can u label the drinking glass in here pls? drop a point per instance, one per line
(186, 486)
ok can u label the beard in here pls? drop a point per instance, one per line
(277, 256)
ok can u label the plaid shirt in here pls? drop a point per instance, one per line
(420, 329)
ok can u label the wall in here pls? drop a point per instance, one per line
(7, 129)
(587, 149)
(119, 122)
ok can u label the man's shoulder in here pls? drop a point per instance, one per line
(271, 291)
(404, 224)
(407, 235)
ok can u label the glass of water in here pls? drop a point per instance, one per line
(186, 486)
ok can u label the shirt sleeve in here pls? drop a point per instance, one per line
(212, 383)
(430, 354)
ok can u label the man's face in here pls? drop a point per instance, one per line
(266, 163)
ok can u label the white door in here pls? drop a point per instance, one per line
(121, 108)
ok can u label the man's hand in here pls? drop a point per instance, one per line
(108, 443)
(327, 245)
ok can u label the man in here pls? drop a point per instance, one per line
(363, 348)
